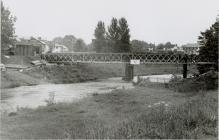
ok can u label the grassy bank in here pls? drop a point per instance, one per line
(137, 113)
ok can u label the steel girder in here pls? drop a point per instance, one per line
(145, 58)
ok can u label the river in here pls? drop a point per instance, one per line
(34, 96)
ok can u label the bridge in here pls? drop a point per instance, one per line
(143, 58)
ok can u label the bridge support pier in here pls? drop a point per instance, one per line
(184, 70)
(129, 72)
(185, 66)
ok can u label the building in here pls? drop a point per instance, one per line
(30, 47)
(177, 49)
(191, 48)
(58, 48)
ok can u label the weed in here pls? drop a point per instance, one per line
(51, 100)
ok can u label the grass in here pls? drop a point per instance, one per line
(136, 113)
(208, 81)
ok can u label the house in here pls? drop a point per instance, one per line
(30, 47)
(177, 49)
(191, 48)
(58, 48)
(150, 49)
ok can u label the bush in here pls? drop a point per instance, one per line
(207, 81)
(51, 100)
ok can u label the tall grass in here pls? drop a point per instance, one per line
(194, 119)
(208, 81)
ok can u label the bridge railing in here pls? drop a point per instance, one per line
(145, 58)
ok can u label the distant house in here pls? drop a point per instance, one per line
(30, 47)
(191, 48)
(58, 48)
(150, 49)
(177, 49)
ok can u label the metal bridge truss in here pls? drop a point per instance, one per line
(145, 58)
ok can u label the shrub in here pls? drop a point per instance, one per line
(51, 100)
(207, 81)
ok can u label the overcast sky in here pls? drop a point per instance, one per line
(154, 21)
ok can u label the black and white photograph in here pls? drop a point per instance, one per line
(109, 69)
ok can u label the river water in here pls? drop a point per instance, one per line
(34, 96)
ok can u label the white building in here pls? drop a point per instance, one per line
(177, 49)
(191, 48)
(58, 48)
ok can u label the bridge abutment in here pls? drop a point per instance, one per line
(129, 72)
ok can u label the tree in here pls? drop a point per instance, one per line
(118, 36)
(141, 46)
(208, 41)
(7, 28)
(113, 35)
(68, 41)
(99, 42)
(79, 46)
(124, 36)
(166, 46)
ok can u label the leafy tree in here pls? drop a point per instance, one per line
(124, 36)
(100, 38)
(79, 46)
(68, 41)
(118, 36)
(7, 28)
(167, 45)
(208, 41)
(113, 35)
(141, 46)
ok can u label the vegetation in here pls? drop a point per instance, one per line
(167, 45)
(116, 39)
(138, 113)
(79, 46)
(68, 40)
(141, 46)
(7, 29)
(208, 81)
(100, 43)
(209, 47)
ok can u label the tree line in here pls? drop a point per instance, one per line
(115, 39)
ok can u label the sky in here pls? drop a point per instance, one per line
(154, 21)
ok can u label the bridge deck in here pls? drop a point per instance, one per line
(145, 58)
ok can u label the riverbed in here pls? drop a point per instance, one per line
(34, 96)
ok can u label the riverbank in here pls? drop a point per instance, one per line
(142, 112)
(76, 73)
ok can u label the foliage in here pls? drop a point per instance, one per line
(208, 81)
(124, 36)
(141, 46)
(113, 35)
(7, 28)
(100, 38)
(118, 37)
(167, 45)
(80, 46)
(208, 41)
(68, 40)
(51, 100)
